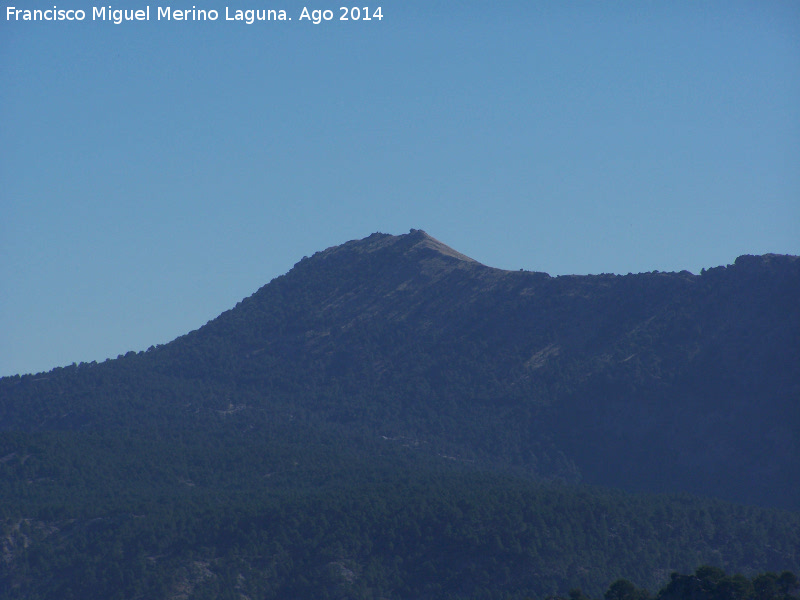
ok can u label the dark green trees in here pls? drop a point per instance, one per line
(711, 583)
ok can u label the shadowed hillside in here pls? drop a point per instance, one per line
(656, 381)
(394, 419)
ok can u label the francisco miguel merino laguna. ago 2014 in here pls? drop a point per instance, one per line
(117, 16)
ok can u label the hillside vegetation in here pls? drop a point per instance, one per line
(392, 419)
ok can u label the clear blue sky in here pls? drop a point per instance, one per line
(153, 174)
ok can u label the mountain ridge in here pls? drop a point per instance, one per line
(392, 420)
(582, 377)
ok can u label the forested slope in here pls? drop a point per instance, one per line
(656, 381)
(392, 419)
(215, 515)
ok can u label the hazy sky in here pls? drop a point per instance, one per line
(152, 173)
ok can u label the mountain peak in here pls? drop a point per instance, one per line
(416, 244)
(423, 240)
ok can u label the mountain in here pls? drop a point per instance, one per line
(391, 416)
(656, 381)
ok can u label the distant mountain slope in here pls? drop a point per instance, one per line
(657, 381)
(236, 514)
